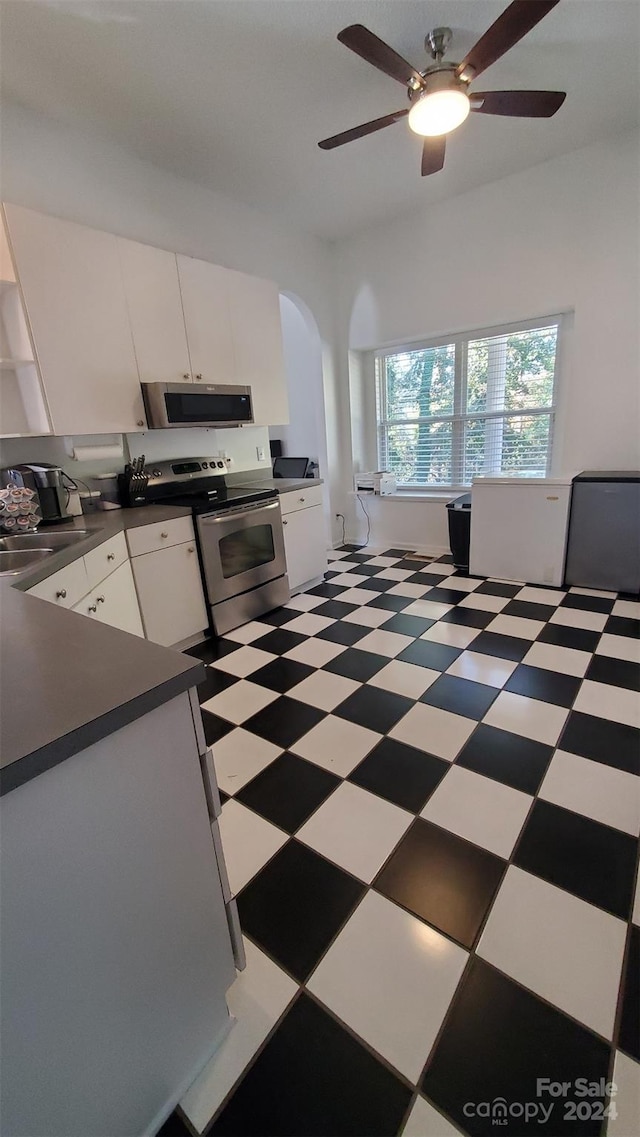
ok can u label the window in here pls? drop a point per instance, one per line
(475, 404)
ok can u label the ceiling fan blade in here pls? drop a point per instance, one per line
(361, 131)
(379, 54)
(514, 23)
(518, 104)
(433, 154)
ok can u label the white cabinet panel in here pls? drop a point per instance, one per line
(115, 951)
(102, 561)
(152, 288)
(170, 593)
(64, 587)
(305, 545)
(257, 339)
(301, 499)
(71, 280)
(205, 300)
(114, 602)
(159, 535)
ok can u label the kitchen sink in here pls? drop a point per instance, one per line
(31, 542)
(13, 561)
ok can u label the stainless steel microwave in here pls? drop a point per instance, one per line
(177, 405)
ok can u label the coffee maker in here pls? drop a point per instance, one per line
(47, 482)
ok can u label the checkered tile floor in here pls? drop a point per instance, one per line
(431, 824)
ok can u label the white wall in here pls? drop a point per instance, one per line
(561, 236)
(304, 435)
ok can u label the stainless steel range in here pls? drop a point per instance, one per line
(239, 535)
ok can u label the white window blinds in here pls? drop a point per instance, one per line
(479, 404)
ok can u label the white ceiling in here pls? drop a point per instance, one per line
(235, 94)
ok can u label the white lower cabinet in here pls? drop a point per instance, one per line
(170, 593)
(305, 543)
(114, 602)
(116, 952)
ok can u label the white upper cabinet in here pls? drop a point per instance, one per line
(71, 281)
(152, 289)
(205, 300)
(257, 340)
(106, 313)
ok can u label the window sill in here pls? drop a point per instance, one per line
(442, 496)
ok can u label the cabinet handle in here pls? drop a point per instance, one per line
(140, 422)
(301, 499)
(191, 549)
(186, 375)
(111, 556)
(164, 534)
(61, 594)
(100, 600)
(284, 522)
(199, 377)
(92, 608)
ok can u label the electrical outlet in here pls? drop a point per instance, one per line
(260, 453)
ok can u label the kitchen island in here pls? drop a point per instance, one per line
(116, 943)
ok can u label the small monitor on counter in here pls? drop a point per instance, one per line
(290, 467)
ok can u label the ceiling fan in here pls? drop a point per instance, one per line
(440, 97)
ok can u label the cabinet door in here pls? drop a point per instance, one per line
(205, 300)
(74, 296)
(152, 289)
(65, 587)
(257, 339)
(170, 592)
(305, 545)
(115, 602)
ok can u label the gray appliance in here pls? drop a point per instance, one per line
(603, 547)
(239, 535)
(47, 482)
(176, 405)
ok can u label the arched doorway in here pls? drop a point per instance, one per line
(305, 434)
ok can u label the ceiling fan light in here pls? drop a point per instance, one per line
(439, 112)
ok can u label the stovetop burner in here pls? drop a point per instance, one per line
(198, 484)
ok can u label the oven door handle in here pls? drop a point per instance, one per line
(238, 512)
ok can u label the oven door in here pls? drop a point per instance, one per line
(241, 548)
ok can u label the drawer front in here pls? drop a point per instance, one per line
(65, 587)
(300, 499)
(159, 535)
(114, 601)
(102, 561)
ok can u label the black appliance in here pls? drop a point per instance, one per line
(47, 482)
(239, 536)
(603, 544)
(290, 467)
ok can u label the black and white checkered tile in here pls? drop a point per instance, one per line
(431, 823)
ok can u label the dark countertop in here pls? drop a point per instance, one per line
(102, 524)
(282, 485)
(68, 681)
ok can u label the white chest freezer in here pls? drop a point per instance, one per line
(519, 528)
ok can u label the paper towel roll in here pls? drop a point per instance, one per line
(96, 453)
